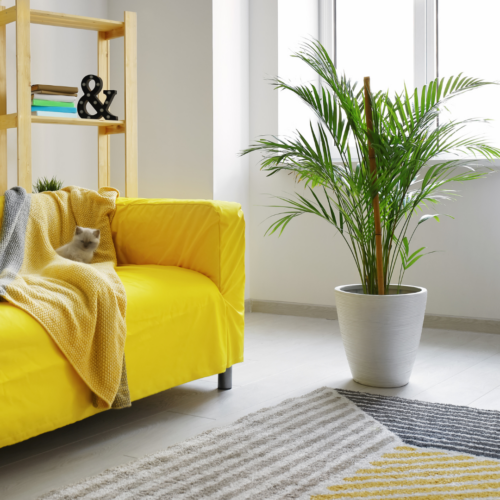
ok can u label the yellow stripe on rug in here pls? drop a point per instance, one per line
(422, 473)
(413, 461)
(445, 465)
(454, 477)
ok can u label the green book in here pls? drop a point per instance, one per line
(39, 102)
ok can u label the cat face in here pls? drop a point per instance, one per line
(87, 238)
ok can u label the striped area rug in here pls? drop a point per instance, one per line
(325, 445)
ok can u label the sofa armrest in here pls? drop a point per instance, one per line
(201, 235)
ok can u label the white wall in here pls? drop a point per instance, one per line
(298, 22)
(463, 279)
(299, 266)
(309, 260)
(59, 56)
(231, 106)
(231, 99)
(263, 25)
(175, 95)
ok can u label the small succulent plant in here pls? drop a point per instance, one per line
(43, 184)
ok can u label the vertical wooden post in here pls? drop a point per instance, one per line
(3, 109)
(23, 60)
(376, 205)
(131, 174)
(103, 139)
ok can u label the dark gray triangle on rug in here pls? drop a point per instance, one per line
(435, 425)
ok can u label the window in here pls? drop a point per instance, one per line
(391, 41)
(413, 42)
(467, 42)
(375, 38)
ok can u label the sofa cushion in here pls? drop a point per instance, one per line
(174, 316)
(176, 332)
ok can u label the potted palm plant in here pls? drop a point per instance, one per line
(395, 158)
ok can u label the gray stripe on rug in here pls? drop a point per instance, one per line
(234, 462)
(287, 443)
(434, 425)
(202, 455)
(279, 452)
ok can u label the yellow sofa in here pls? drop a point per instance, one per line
(182, 265)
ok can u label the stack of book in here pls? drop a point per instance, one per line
(52, 100)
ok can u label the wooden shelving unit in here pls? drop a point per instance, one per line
(22, 120)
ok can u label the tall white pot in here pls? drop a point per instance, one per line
(381, 333)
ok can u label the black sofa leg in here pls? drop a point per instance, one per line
(226, 379)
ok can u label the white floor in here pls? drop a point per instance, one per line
(284, 357)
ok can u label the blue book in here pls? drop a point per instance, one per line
(51, 113)
(53, 108)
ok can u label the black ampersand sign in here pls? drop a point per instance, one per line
(91, 96)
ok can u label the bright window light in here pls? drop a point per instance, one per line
(468, 43)
(375, 39)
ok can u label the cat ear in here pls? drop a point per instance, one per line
(97, 233)
(78, 230)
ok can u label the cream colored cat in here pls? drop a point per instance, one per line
(82, 247)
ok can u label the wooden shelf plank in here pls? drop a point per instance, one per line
(77, 121)
(116, 33)
(115, 130)
(110, 127)
(114, 29)
(8, 121)
(70, 21)
(8, 15)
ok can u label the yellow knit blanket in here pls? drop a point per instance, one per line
(81, 306)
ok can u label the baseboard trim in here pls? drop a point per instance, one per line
(293, 309)
(460, 323)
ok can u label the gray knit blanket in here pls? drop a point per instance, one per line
(12, 235)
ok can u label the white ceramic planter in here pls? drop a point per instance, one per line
(381, 333)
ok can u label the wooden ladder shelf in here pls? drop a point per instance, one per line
(22, 120)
